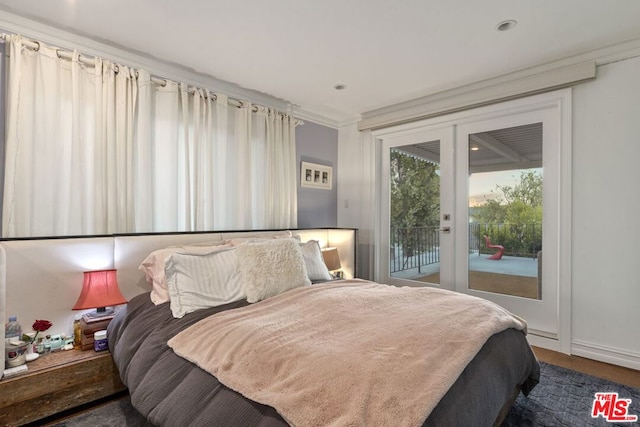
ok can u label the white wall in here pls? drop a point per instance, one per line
(605, 322)
(606, 214)
(356, 192)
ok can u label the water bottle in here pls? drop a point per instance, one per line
(13, 330)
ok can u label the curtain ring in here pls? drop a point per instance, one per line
(37, 48)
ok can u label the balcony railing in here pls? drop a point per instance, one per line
(417, 247)
(414, 247)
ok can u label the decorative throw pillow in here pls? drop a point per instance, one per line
(153, 266)
(199, 281)
(316, 268)
(270, 267)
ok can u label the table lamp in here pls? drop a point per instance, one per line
(332, 261)
(99, 290)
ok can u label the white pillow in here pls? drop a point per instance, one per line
(199, 281)
(153, 266)
(270, 267)
(316, 268)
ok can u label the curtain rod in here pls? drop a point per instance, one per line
(87, 60)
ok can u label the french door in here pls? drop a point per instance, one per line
(416, 199)
(473, 204)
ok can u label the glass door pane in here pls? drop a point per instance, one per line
(414, 240)
(505, 211)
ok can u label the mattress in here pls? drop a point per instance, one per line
(171, 391)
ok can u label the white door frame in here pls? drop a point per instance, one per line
(561, 101)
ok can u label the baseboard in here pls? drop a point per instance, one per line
(545, 342)
(605, 354)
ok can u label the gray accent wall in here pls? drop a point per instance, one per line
(317, 144)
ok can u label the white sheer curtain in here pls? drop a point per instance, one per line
(67, 137)
(91, 151)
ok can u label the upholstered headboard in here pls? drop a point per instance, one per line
(42, 278)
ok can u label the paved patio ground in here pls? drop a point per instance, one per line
(516, 266)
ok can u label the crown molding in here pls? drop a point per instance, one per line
(541, 78)
(69, 39)
(334, 122)
(616, 53)
(352, 121)
(314, 117)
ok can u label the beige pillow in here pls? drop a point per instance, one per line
(270, 267)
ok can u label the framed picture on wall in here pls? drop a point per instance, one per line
(313, 175)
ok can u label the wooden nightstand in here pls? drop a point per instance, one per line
(56, 382)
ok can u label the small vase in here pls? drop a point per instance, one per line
(31, 352)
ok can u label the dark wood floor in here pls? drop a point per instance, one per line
(630, 377)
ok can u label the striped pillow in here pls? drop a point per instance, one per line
(154, 265)
(316, 268)
(199, 281)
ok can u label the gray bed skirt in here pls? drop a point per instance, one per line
(171, 391)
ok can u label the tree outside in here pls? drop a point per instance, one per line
(514, 218)
(415, 202)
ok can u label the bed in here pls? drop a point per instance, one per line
(147, 336)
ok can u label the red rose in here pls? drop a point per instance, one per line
(41, 325)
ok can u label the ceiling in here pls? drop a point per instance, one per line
(384, 51)
(512, 148)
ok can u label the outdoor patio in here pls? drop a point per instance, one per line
(516, 266)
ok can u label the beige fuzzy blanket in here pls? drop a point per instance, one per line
(346, 353)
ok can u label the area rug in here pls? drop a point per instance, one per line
(507, 284)
(116, 413)
(562, 398)
(565, 398)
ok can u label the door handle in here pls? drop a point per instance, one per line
(445, 230)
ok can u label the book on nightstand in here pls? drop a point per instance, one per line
(91, 319)
(89, 326)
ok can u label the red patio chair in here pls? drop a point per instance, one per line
(500, 249)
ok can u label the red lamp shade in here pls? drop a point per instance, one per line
(99, 290)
